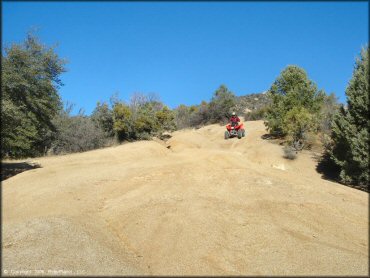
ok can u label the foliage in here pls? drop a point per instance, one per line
(329, 108)
(350, 129)
(296, 124)
(145, 123)
(75, 133)
(182, 116)
(122, 124)
(30, 82)
(143, 118)
(295, 105)
(102, 116)
(221, 105)
(165, 119)
(200, 114)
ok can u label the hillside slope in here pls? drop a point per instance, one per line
(197, 205)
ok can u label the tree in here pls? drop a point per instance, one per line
(144, 117)
(350, 128)
(165, 119)
(297, 122)
(102, 116)
(145, 123)
(182, 116)
(295, 105)
(221, 105)
(30, 83)
(329, 108)
(75, 133)
(199, 114)
(122, 123)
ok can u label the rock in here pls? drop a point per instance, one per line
(280, 166)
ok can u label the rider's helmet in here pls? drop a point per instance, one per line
(233, 114)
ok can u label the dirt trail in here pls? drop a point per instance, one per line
(203, 206)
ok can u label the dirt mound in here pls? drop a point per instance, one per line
(194, 205)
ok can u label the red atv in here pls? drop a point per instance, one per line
(235, 129)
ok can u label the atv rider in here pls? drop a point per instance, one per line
(234, 119)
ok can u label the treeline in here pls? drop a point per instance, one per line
(299, 111)
(217, 110)
(143, 117)
(35, 123)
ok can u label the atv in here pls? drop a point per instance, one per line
(234, 129)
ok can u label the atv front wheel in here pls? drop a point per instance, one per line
(243, 132)
(240, 134)
(227, 135)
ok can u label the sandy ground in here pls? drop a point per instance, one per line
(203, 206)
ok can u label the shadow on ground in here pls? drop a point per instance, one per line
(273, 138)
(9, 169)
(326, 167)
(330, 171)
(269, 137)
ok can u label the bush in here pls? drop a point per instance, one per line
(142, 119)
(122, 121)
(182, 116)
(102, 116)
(76, 134)
(165, 120)
(297, 123)
(290, 152)
(200, 115)
(295, 106)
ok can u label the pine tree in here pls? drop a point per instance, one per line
(350, 129)
(30, 82)
(295, 106)
(221, 105)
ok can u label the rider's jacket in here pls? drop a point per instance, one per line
(234, 119)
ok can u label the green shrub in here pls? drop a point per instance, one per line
(222, 104)
(102, 116)
(142, 119)
(295, 106)
(76, 134)
(122, 122)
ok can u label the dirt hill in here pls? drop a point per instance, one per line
(195, 205)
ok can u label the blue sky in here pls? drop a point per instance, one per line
(183, 51)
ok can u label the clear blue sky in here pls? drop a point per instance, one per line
(184, 50)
